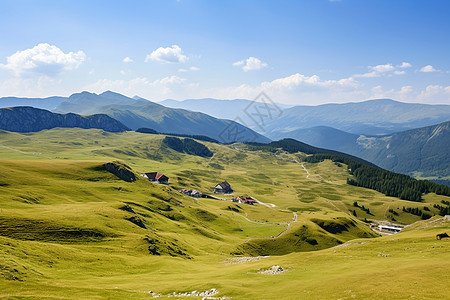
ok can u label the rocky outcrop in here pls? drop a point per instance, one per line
(30, 119)
(121, 170)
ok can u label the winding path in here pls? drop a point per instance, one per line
(271, 237)
(306, 170)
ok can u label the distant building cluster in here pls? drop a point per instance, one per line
(245, 199)
(221, 188)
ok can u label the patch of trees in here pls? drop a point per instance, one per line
(367, 210)
(443, 210)
(417, 211)
(396, 213)
(194, 136)
(188, 146)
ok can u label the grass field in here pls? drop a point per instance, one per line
(69, 229)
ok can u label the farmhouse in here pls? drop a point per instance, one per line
(223, 188)
(157, 177)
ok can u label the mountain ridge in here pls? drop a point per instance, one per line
(30, 119)
(143, 113)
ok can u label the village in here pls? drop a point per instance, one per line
(223, 188)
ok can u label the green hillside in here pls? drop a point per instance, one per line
(71, 229)
(420, 152)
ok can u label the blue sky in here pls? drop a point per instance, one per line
(298, 52)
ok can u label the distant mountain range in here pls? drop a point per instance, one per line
(138, 113)
(422, 152)
(49, 103)
(223, 109)
(30, 119)
(373, 117)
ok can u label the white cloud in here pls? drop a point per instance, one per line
(43, 59)
(167, 55)
(404, 65)
(123, 72)
(404, 93)
(314, 81)
(386, 70)
(368, 75)
(187, 70)
(435, 94)
(127, 60)
(251, 63)
(406, 89)
(382, 68)
(428, 69)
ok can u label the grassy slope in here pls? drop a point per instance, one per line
(62, 232)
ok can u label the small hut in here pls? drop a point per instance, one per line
(223, 188)
(157, 177)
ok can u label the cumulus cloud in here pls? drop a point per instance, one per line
(368, 75)
(404, 93)
(382, 68)
(404, 65)
(194, 69)
(435, 94)
(428, 69)
(168, 55)
(127, 60)
(43, 59)
(251, 63)
(386, 70)
(298, 79)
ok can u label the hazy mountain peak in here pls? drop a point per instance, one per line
(114, 95)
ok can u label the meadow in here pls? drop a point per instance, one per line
(70, 229)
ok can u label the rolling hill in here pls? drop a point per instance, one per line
(30, 119)
(70, 228)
